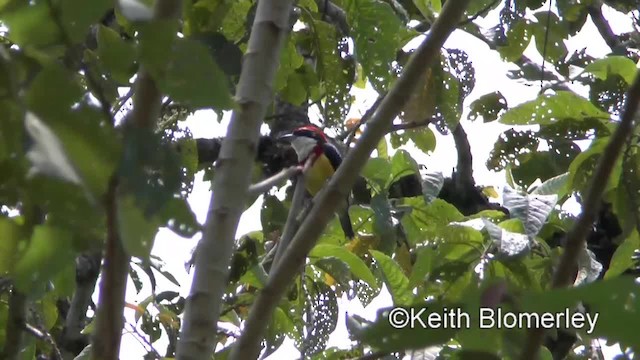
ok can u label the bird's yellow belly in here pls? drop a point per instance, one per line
(318, 174)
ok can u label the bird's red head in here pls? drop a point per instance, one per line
(311, 131)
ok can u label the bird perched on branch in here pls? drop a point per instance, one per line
(310, 140)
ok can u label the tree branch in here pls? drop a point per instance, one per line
(576, 236)
(44, 336)
(109, 319)
(248, 346)
(232, 180)
(87, 270)
(595, 12)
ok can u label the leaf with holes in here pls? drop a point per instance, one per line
(547, 109)
(532, 210)
(488, 106)
(377, 33)
(549, 34)
(333, 72)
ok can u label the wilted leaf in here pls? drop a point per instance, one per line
(532, 210)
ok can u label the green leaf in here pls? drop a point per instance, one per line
(423, 265)
(180, 218)
(383, 223)
(47, 103)
(488, 106)
(48, 252)
(377, 33)
(518, 38)
(155, 49)
(615, 301)
(31, 25)
(623, 257)
(333, 72)
(394, 278)
(78, 15)
(273, 215)
(49, 310)
(355, 264)
(423, 138)
(137, 232)
(582, 166)
(377, 171)
(547, 109)
(549, 34)
(11, 234)
(117, 55)
(290, 60)
(194, 79)
(554, 186)
(384, 337)
(613, 65)
(402, 164)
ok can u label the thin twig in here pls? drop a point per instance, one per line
(142, 339)
(410, 125)
(121, 102)
(577, 234)
(275, 180)
(46, 337)
(350, 134)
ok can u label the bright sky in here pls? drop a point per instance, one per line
(490, 76)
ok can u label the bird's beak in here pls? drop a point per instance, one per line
(286, 138)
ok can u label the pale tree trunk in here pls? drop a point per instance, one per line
(326, 202)
(232, 179)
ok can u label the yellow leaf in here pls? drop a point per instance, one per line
(490, 191)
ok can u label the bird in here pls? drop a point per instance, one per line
(310, 140)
